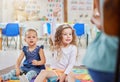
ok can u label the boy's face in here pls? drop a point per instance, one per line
(67, 36)
(31, 38)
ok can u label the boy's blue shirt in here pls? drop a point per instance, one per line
(29, 57)
(101, 53)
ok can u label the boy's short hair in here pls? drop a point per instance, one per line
(31, 29)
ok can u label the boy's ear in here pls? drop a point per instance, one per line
(24, 39)
(37, 38)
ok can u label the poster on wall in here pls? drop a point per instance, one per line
(51, 5)
(31, 10)
(79, 10)
(37, 10)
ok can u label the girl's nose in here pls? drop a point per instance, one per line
(68, 36)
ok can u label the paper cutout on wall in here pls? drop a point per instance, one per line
(36, 10)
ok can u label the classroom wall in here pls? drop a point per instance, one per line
(7, 11)
(1, 11)
(41, 10)
(34, 13)
(80, 10)
(30, 10)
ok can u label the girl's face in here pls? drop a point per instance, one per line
(31, 38)
(67, 36)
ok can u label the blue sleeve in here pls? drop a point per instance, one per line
(24, 49)
(42, 46)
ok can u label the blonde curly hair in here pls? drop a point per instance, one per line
(58, 35)
(58, 39)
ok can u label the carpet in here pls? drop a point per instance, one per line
(81, 74)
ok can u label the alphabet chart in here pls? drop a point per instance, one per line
(44, 9)
(79, 10)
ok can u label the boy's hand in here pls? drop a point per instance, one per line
(35, 62)
(17, 72)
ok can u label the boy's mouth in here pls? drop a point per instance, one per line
(31, 41)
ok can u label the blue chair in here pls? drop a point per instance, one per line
(49, 28)
(47, 32)
(79, 30)
(11, 30)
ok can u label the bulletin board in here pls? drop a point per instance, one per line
(79, 10)
(41, 10)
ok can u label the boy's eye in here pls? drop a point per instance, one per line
(28, 37)
(33, 36)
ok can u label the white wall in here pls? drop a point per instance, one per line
(7, 11)
(33, 24)
(1, 10)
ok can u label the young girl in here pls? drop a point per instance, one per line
(64, 55)
(34, 59)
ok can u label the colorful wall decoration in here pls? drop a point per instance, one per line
(37, 10)
(79, 10)
(41, 10)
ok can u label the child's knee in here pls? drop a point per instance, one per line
(13, 72)
(31, 74)
(43, 71)
(71, 76)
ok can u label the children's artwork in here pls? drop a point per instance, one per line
(40, 10)
(51, 5)
(30, 10)
(79, 10)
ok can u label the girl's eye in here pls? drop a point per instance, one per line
(67, 34)
(64, 34)
(70, 34)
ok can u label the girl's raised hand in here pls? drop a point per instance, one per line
(56, 11)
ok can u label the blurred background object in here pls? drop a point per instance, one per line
(111, 17)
